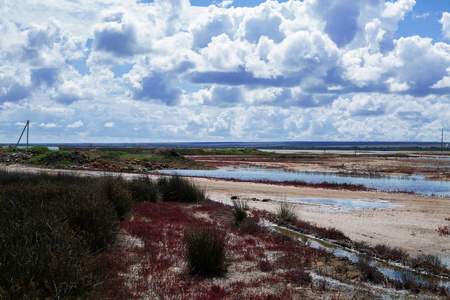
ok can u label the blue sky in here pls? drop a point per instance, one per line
(179, 70)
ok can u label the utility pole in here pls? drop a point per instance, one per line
(442, 140)
(27, 127)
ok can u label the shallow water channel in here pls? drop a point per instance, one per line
(414, 183)
(390, 270)
(344, 205)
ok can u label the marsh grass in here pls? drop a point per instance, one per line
(50, 228)
(287, 212)
(143, 190)
(430, 263)
(392, 253)
(116, 191)
(178, 189)
(239, 210)
(205, 251)
(370, 272)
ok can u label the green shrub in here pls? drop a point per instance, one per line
(40, 149)
(205, 250)
(178, 189)
(116, 192)
(42, 258)
(95, 220)
(50, 227)
(143, 190)
(286, 212)
(39, 159)
(239, 210)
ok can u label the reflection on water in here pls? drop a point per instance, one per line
(346, 205)
(415, 183)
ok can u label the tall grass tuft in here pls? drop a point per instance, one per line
(287, 212)
(239, 210)
(143, 190)
(115, 189)
(205, 251)
(178, 189)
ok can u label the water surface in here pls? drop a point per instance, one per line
(345, 205)
(414, 183)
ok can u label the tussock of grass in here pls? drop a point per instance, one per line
(116, 191)
(143, 190)
(178, 189)
(239, 210)
(287, 212)
(205, 250)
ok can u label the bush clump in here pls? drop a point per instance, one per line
(370, 272)
(286, 212)
(50, 227)
(392, 253)
(429, 262)
(239, 210)
(178, 189)
(116, 191)
(205, 251)
(143, 190)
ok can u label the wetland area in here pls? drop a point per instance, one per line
(396, 199)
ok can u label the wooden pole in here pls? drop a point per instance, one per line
(26, 126)
(28, 131)
(442, 140)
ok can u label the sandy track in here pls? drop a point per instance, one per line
(412, 225)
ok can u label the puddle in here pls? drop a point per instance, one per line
(390, 270)
(415, 183)
(345, 205)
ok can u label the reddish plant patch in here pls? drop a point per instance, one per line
(156, 267)
(322, 185)
(444, 230)
(303, 226)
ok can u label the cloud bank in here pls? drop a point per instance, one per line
(296, 70)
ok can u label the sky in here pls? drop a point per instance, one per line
(139, 71)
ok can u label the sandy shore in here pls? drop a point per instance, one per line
(412, 225)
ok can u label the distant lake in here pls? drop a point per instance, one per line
(415, 183)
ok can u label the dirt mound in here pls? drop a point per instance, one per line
(15, 157)
(71, 157)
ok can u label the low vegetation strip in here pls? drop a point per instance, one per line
(297, 183)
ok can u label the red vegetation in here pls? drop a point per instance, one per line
(155, 267)
(322, 185)
(444, 230)
(306, 227)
